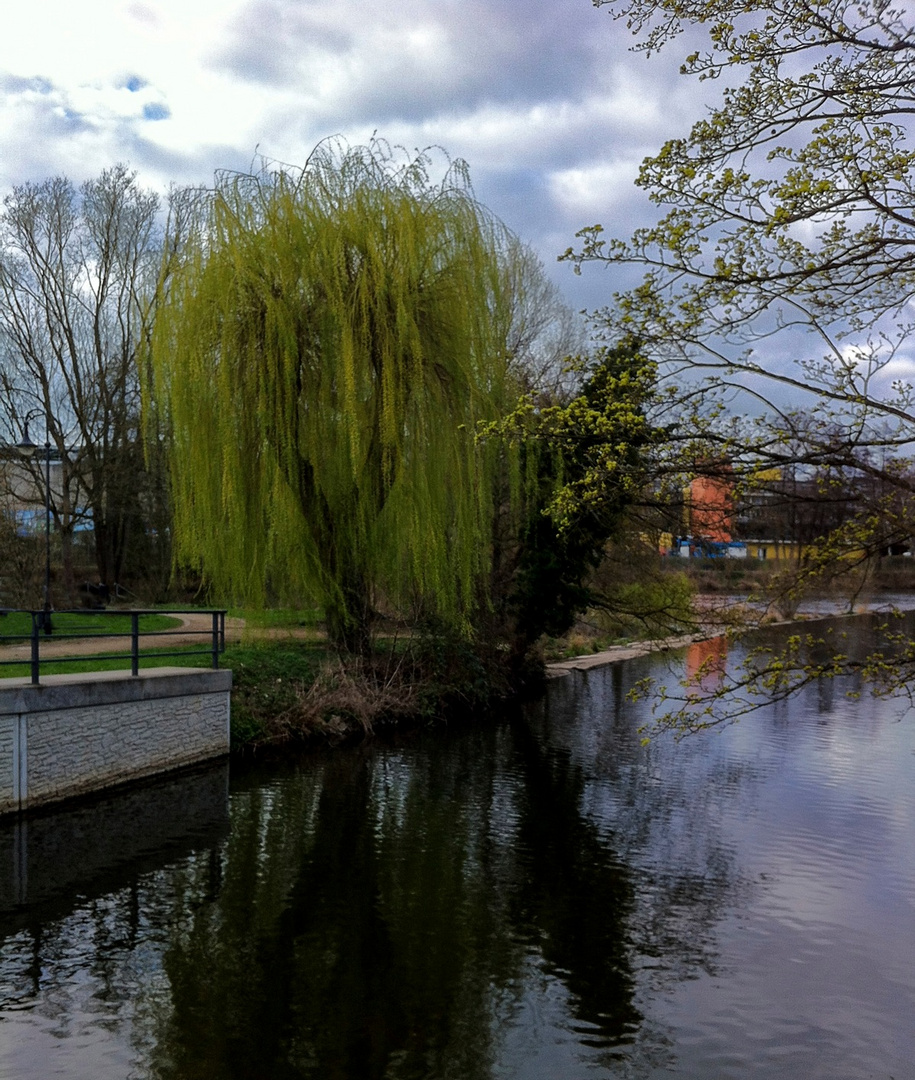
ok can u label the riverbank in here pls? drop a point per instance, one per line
(718, 614)
(616, 654)
(294, 690)
(289, 687)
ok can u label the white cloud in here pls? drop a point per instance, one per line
(591, 191)
(542, 99)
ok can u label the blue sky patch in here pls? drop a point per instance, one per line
(155, 110)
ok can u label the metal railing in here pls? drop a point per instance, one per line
(48, 629)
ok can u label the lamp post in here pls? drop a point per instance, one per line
(28, 449)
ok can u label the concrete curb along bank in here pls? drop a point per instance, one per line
(78, 733)
(618, 653)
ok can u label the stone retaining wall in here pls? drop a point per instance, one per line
(74, 734)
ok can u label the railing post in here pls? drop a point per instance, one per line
(134, 643)
(215, 642)
(35, 646)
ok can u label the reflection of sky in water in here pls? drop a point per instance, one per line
(808, 808)
(545, 898)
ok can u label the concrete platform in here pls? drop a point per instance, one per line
(84, 732)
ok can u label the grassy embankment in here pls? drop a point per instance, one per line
(280, 655)
(288, 684)
(666, 605)
(709, 576)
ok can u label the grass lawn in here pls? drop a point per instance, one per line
(18, 624)
(179, 657)
(16, 629)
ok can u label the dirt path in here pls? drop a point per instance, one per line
(194, 630)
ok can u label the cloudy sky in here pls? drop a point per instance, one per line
(544, 99)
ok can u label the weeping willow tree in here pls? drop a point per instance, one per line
(331, 341)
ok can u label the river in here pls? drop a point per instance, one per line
(543, 897)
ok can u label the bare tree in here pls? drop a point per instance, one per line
(78, 271)
(545, 331)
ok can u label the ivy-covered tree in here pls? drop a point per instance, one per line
(587, 459)
(330, 342)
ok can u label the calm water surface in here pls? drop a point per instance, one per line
(542, 898)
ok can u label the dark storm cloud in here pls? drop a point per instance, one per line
(543, 99)
(270, 41)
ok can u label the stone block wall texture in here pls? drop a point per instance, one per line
(7, 794)
(84, 736)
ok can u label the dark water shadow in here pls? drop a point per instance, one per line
(53, 860)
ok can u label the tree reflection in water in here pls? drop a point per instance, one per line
(543, 897)
(390, 913)
(425, 910)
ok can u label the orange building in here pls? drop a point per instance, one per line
(711, 509)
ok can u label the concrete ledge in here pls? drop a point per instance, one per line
(74, 734)
(109, 688)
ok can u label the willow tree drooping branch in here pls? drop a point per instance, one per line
(326, 352)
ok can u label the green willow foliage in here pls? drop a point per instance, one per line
(331, 341)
